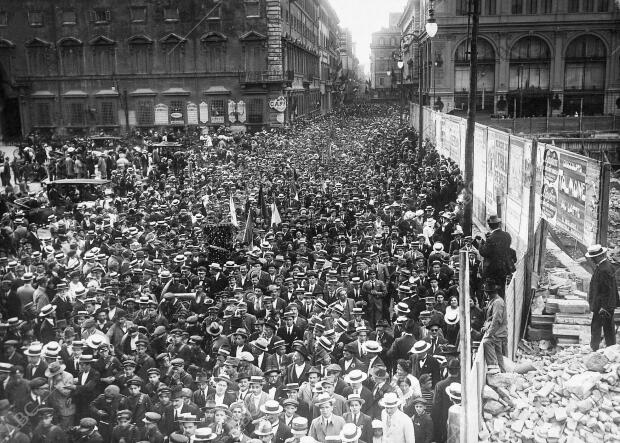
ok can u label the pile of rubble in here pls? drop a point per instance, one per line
(572, 395)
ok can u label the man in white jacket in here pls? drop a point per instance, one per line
(397, 426)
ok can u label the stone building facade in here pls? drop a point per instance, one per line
(384, 49)
(105, 65)
(534, 56)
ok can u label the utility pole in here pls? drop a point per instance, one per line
(471, 118)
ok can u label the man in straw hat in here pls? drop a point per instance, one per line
(327, 423)
(398, 427)
(602, 297)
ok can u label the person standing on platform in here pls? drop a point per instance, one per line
(602, 297)
(499, 257)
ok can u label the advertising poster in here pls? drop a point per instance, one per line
(515, 172)
(161, 114)
(177, 115)
(192, 114)
(480, 173)
(570, 193)
(491, 205)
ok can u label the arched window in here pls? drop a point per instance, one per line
(382, 41)
(486, 74)
(392, 41)
(584, 75)
(529, 64)
(530, 67)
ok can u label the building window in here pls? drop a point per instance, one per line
(69, 17)
(4, 18)
(490, 7)
(42, 115)
(217, 12)
(216, 58)
(546, 6)
(585, 64)
(588, 5)
(573, 5)
(75, 113)
(71, 58)
(145, 113)
(255, 110)
(254, 58)
(252, 8)
(35, 18)
(517, 7)
(37, 60)
(531, 6)
(100, 16)
(603, 5)
(381, 81)
(138, 14)
(141, 57)
(174, 54)
(171, 15)
(103, 59)
(177, 107)
(462, 7)
(107, 113)
(217, 112)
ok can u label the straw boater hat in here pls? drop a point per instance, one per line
(419, 347)
(299, 426)
(355, 397)
(350, 432)
(372, 346)
(454, 392)
(595, 251)
(390, 400)
(355, 376)
(452, 317)
(271, 407)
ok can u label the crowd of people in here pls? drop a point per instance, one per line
(290, 286)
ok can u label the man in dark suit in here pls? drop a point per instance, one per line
(289, 332)
(36, 365)
(272, 410)
(497, 254)
(381, 387)
(434, 338)
(86, 389)
(11, 355)
(602, 297)
(349, 361)
(357, 417)
(424, 363)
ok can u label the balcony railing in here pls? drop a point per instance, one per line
(265, 76)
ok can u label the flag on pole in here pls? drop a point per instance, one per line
(248, 233)
(233, 213)
(275, 215)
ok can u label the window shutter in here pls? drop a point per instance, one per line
(92, 16)
(108, 15)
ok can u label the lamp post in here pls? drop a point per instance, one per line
(416, 36)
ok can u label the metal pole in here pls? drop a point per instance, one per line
(465, 345)
(471, 119)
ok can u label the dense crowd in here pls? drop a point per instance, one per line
(294, 286)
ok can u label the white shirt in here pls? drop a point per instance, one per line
(299, 369)
(219, 399)
(84, 377)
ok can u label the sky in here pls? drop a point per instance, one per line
(363, 17)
